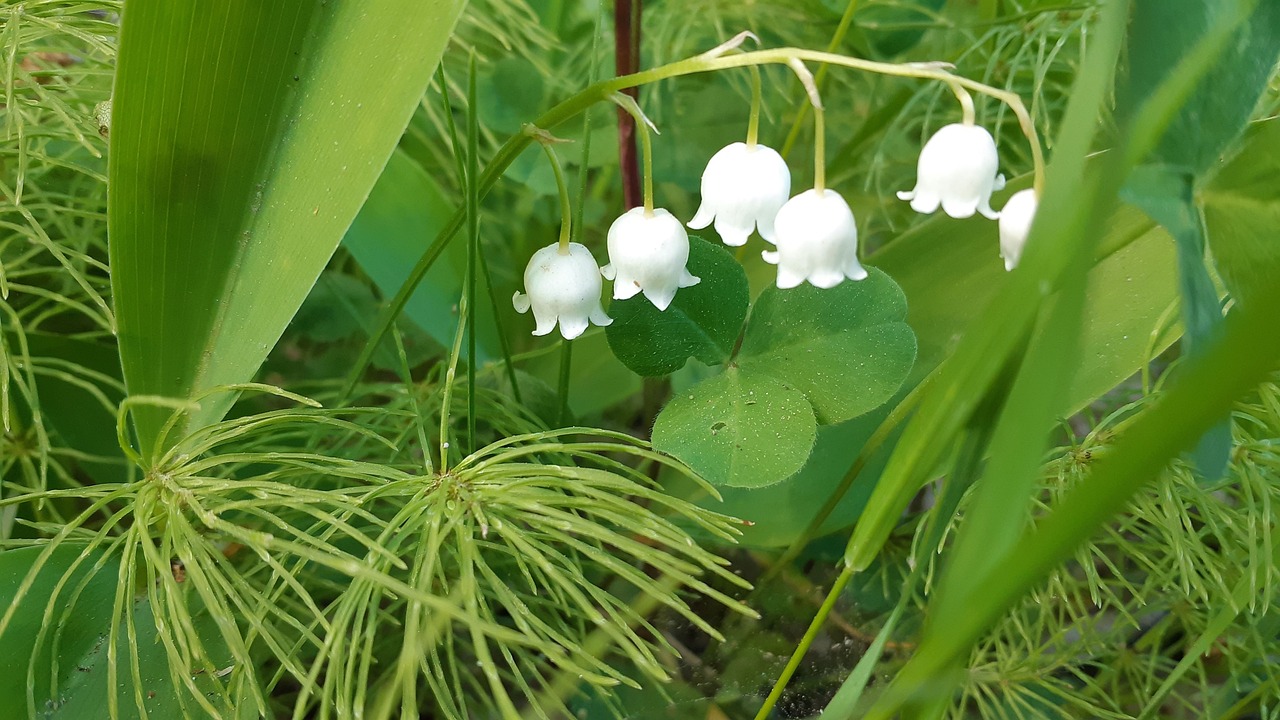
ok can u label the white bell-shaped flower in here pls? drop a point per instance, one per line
(957, 170)
(647, 253)
(1015, 223)
(564, 287)
(743, 188)
(817, 241)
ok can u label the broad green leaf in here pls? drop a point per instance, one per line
(951, 269)
(75, 638)
(1242, 212)
(737, 430)
(245, 136)
(702, 322)
(405, 209)
(847, 348)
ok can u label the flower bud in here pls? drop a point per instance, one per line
(957, 170)
(742, 189)
(647, 253)
(563, 287)
(817, 241)
(1015, 223)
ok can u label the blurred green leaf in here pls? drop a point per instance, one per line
(1242, 212)
(405, 209)
(597, 379)
(510, 94)
(1161, 33)
(893, 28)
(739, 430)
(1167, 197)
(847, 348)
(245, 136)
(702, 322)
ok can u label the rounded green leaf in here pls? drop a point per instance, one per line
(702, 322)
(739, 431)
(848, 348)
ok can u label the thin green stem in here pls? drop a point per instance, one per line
(605, 89)
(753, 121)
(646, 149)
(968, 114)
(846, 21)
(566, 210)
(562, 392)
(643, 128)
(805, 642)
(447, 393)
(473, 245)
(819, 149)
(583, 172)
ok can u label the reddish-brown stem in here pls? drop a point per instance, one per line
(626, 60)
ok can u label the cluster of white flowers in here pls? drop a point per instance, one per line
(745, 188)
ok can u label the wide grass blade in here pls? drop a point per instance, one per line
(245, 136)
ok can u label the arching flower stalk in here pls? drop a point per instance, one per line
(648, 247)
(817, 237)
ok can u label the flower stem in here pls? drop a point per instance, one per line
(818, 620)
(643, 127)
(819, 149)
(646, 149)
(819, 125)
(566, 211)
(473, 246)
(562, 393)
(966, 104)
(753, 121)
(842, 29)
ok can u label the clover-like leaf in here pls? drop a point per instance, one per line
(809, 357)
(702, 322)
(848, 349)
(737, 430)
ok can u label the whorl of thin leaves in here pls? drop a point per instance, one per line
(552, 542)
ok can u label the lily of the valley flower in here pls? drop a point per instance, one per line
(957, 170)
(563, 287)
(817, 241)
(1015, 223)
(742, 189)
(647, 253)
